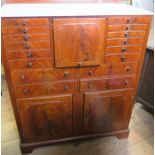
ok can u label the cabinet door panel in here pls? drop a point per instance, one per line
(106, 111)
(78, 42)
(46, 118)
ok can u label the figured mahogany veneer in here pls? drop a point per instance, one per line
(73, 77)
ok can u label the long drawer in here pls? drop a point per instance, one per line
(45, 89)
(30, 54)
(107, 83)
(40, 75)
(108, 70)
(123, 49)
(110, 58)
(24, 22)
(121, 42)
(30, 64)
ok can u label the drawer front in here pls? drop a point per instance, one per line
(122, 58)
(107, 84)
(124, 49)
(25, 30)
(128, 20)
(46, 75)
(108, 70)
(126, 34)
(28, 46)
(127, 27)
(24, 22)
(45, 89)
(30, 64)
(28, 54)
(26, 37)
(121, 42)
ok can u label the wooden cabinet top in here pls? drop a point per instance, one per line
(69, 9)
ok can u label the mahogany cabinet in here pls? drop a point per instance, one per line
(73, 77)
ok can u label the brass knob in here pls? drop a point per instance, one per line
(125, 42)
(66, 88)
(29, 55)
(30, 65)
(123, 58)
(25, 91)
(66, 74)
(22, 77)
(126, 35)
(90, 73)
(128, 69)
(25, 31)
(90, 86)
(127, 28)
(124, 49)
(27, 47)
(26, 38)
(126, 82)
(79, 64)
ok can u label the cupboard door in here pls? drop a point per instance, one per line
(106, 111)
(78, 41)
(46, 118)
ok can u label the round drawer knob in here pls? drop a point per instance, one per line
(128, 69)
(124, 49)
(25, 31)
(127, 28)
(25, 91)
(27, 47)
(90, 86)
(123, 58)
(90, 73)
(26, 38)
(79, 64)
(126, 82)
(66, 88)
(29, 55)
(66, 74)
(129, 20)
(29, 65)
(23, 77)
(126, 35)
(125, 42)
(25, 23)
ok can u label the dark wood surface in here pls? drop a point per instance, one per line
(72, 80)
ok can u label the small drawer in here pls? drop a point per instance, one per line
(25, 37)
(30, 54)
(122, 58)
(122, 42)
(28, 46)
(124, 49)
(126, 34)
(128, 20)
(9, 22)
(107, 84)
(126, 27)
(30, 64)
(25, 30)
(40, 75)
(45, 89)
(108, 70)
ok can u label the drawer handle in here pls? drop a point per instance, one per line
(124, 49)
(128, 69)
(123, 58)
(66, 74)
(23, 77)
(125, 42)
(90, 73)
(126, 35)
(90, 86)
(26, 38)
(27, 47)
(29, 65)
(25, 31)
(126, 82)
(66, 88)
(29, 55)
(26, 91)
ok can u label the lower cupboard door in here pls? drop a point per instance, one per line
(106, 111)
(46, 118)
